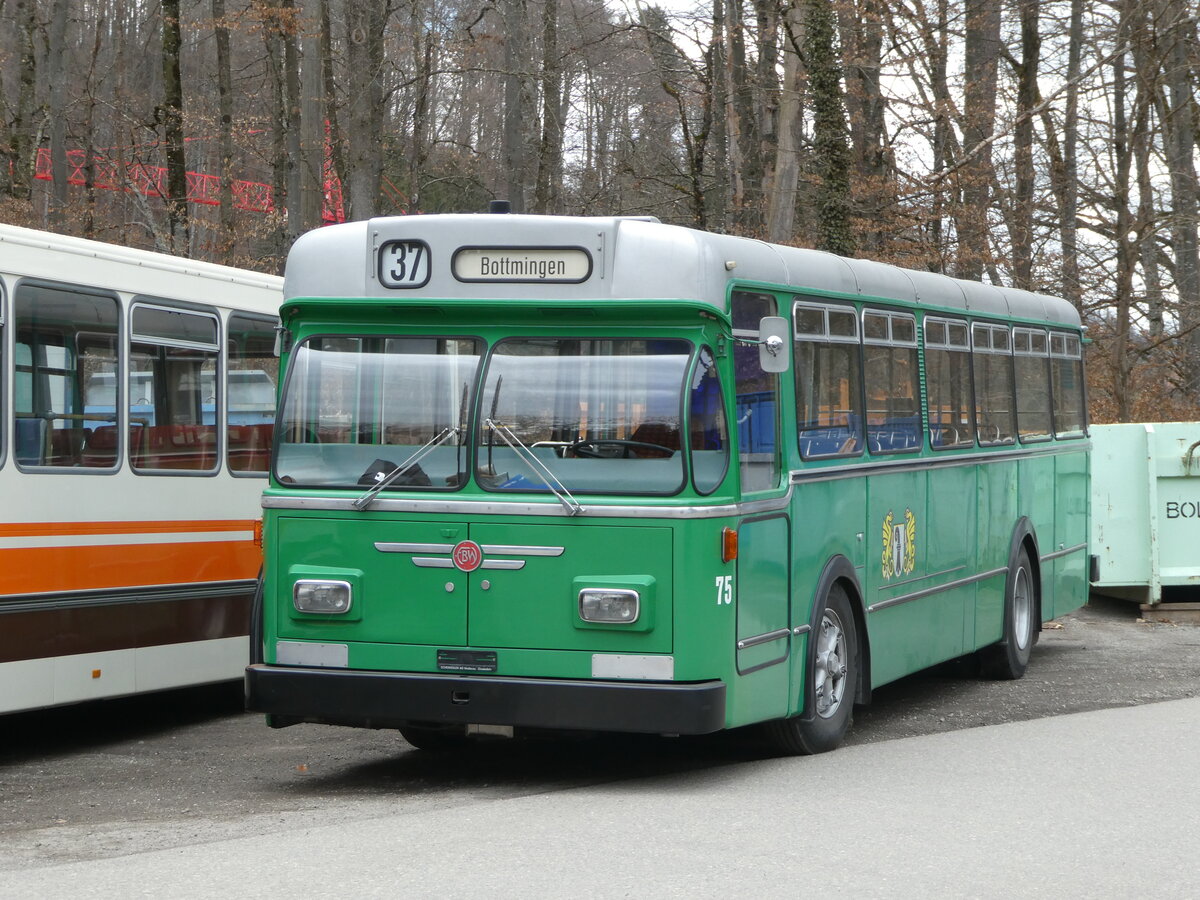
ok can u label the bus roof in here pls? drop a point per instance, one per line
(40, 254)
(615, 258)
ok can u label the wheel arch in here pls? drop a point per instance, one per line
(839, 570)
(1025, 538)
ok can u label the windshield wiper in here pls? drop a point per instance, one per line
(539, 469)
(424, 450)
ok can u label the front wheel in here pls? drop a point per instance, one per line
(831, 683)
(1008, 659)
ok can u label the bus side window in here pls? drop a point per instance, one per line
(995, 414)
(173, 403)
(828, 361)
(757, 407)
(251, 380)
(892, 382)
(948, 384)
(1066, 379)
(65, 337)
(1030, 347)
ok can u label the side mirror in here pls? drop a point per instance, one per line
(773, 334)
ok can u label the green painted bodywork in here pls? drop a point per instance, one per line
(957, 515)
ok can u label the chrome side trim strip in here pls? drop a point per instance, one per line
(549, 510)
(433, 562)
(937, 589)
(385, 547)
(516, 550)
(510, 564)
(1058, 554)
(888, 466)
(777, 635)
(896, 584)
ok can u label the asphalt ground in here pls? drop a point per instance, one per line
(189, 768)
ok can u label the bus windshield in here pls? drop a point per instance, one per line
(357, 408)
(602, 416)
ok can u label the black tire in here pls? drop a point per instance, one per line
(1008, 659)
(831, 682)
(436, 738)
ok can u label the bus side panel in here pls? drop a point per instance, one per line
(1071, 529)
(951, 525)
(1037, 493)
(910, 635)
(997, 493)
(827, 518)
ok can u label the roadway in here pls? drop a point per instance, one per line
(1073, 782)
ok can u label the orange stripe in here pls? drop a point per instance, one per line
(46, 529)
(46, 569)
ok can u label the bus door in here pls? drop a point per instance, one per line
(763, 635)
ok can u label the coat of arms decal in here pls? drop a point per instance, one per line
(899, 545)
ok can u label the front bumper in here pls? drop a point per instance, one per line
(366, 699)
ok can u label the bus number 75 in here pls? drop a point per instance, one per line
(724, 589)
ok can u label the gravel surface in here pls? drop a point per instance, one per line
(107, 779)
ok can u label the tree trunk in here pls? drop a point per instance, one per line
(59, 76)
(366, 21)
(1178, 34)
(1027, 93)
(224, 126)
(171, 119)
(979, 115)
(24, 148)
(831, 151)
(549, 172)
(781, 202)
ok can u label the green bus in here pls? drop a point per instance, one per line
(607, 474)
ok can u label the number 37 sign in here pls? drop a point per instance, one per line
(403, 264)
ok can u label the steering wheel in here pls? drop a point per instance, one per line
(591, 449)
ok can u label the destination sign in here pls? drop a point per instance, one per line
(561, 265)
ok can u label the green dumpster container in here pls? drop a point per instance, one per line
(1146, 511)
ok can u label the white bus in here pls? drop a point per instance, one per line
(131, 466)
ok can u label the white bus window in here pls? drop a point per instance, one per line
(173, 403)
(757, 407)
(995, 411)
(65, 337)
(829, 402)
(253, 373)
(1066, 378)
(948, 384)
(892, 382)
(1033, 384)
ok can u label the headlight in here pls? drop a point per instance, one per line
(328, 597)
(614, 607)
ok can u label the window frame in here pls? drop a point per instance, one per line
(216, 347)
(828, 338)
(949, 345)
(913, 344)
(1032, 353)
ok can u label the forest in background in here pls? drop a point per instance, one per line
(1042, 144)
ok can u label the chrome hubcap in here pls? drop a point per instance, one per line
(1022, 608)
(829, 673)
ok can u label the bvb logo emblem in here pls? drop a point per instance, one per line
(899, 545)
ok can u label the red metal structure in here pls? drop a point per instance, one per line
(151, 181)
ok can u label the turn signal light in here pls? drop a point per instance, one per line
(728, 545)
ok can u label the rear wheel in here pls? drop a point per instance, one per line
(1008, 659)
(831, 683)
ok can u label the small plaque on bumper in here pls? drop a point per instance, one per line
(466, 660)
